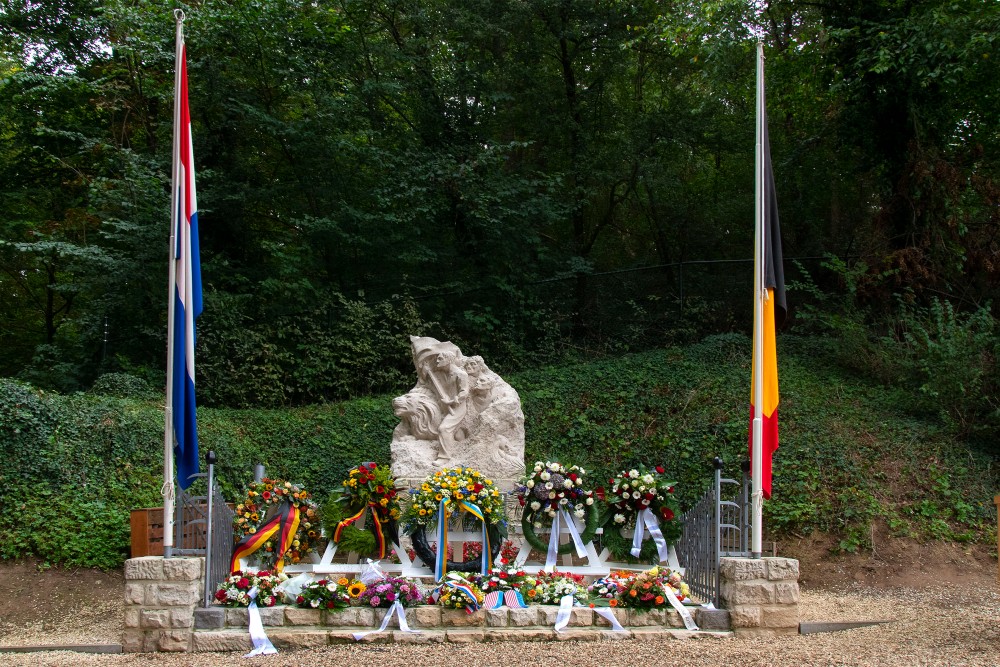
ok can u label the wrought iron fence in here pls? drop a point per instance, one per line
(204, 527)
(713, 528)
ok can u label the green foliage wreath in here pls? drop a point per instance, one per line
(368, 487)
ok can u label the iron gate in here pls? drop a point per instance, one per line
(204, 527)
(714, 528)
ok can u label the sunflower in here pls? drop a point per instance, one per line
(356, 589)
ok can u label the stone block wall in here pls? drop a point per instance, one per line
(761, 595)
(160, 599)
(163, 614)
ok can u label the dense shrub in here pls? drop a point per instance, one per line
(851, 452)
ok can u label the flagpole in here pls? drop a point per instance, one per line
(757, 472)
(167, 490)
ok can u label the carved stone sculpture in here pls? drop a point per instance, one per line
(460, 413)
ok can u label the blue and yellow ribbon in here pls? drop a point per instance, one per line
(441, 562)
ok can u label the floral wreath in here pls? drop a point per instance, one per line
(549, 488)
(456, 488)
(368, 489)
(630, 493)
(252, 515)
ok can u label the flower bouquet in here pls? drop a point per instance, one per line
(386, 592)
(234, 591)
(325, 594)
(639, 498)
(603, 592)
(463, 593)
(506, 578)
(552, 587)
(648, 590)
(547, 490)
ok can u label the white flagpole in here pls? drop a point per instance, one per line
(167, 490)
(757, 495)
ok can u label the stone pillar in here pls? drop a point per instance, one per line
(160, 599)
(761, 594)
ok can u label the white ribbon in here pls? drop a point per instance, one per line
(609, 615)
(371, 572)
(261, 644)
(553, 554)
(566, 610)
(396, 608)
(681, 609)
(647, 518)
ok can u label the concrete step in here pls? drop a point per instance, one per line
(218, 629)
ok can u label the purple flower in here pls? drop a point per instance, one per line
(390, 596)
(375, 600)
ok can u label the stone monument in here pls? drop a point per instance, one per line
(460, 413)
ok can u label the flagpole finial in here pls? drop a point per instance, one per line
(179, 15)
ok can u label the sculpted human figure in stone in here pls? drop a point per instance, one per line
(451, 383)
(460, 413)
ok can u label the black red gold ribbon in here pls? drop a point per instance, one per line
(379, 532)
(285, 523)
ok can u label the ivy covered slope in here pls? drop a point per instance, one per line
(851, 453)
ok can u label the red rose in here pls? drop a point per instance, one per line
(322, 582)
(263, 573)
(329, 604)
(478, 487)
(573, 476)
(266, 495)
(670, 489)
(300, 600)
(243, 583)
(372, 466)
(220, 595)
(379, 489)
(668, 514)
(660, 469)
(599, 492)
(503, 561)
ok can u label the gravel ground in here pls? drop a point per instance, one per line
(933, 626)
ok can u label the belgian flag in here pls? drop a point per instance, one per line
(768, 266)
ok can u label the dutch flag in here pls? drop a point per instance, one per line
(186, 273)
